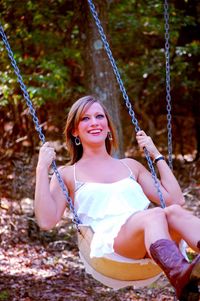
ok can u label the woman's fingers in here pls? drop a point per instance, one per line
(145, 141)
(142, 139)
(47, 148)
(140, 133)
(46, 155)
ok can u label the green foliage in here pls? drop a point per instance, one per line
(4, 295)
(43, 39)
(137, 35)
(47, 44)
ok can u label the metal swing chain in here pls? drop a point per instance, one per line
(32, 111)
(125, 96)
(168, 88)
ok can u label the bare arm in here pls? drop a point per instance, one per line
(49, 201)
(169, 186)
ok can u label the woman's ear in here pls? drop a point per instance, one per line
(75, 133)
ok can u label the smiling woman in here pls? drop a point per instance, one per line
(78, 114)
(93, 126)
(112, 197)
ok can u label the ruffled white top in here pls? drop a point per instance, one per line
(106, 207)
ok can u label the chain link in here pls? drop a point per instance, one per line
(125, 96)
(168, 88)
(32, 111)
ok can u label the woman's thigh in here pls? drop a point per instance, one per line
(130, 239)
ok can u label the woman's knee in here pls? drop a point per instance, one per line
(143, 219)
(175, 211)
(156, 214)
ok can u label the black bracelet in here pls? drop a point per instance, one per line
(159, 158)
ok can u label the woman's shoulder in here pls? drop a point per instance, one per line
(67, 176)
(66, 167)
(66, 172)
(130, 162)
(133, 164)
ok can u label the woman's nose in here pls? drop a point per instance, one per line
(94, 120)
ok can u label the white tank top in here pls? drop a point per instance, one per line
(94, 201)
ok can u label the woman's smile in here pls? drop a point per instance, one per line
(95, 131)
(94, 123)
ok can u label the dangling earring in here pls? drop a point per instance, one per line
(77, 140)
(110, 136)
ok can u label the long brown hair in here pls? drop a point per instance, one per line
(74, 116)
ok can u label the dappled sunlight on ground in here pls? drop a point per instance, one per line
(39, 265)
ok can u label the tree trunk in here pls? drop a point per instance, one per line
(99, 77)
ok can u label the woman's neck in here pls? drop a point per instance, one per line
(95, 154)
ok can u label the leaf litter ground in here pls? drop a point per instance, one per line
(39, 265)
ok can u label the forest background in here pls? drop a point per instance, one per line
(61, 58)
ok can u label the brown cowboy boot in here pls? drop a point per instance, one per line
(182, 275)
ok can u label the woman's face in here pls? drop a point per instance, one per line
(93, 127)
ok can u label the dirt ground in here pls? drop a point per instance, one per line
(38, 265)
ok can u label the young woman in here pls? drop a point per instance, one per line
(112, 195)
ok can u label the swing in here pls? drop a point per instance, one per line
(117, 268)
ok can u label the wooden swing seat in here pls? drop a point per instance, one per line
(125, 270)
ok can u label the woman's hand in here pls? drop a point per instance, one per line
(146, 141)
(46, 155)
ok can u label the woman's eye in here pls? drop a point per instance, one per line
(85, 118)
(100, 116)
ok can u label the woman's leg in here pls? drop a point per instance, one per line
(184, 276)
(140, 231)
(184, 223)
(148, 231)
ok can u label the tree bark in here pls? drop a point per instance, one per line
(99, 77)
